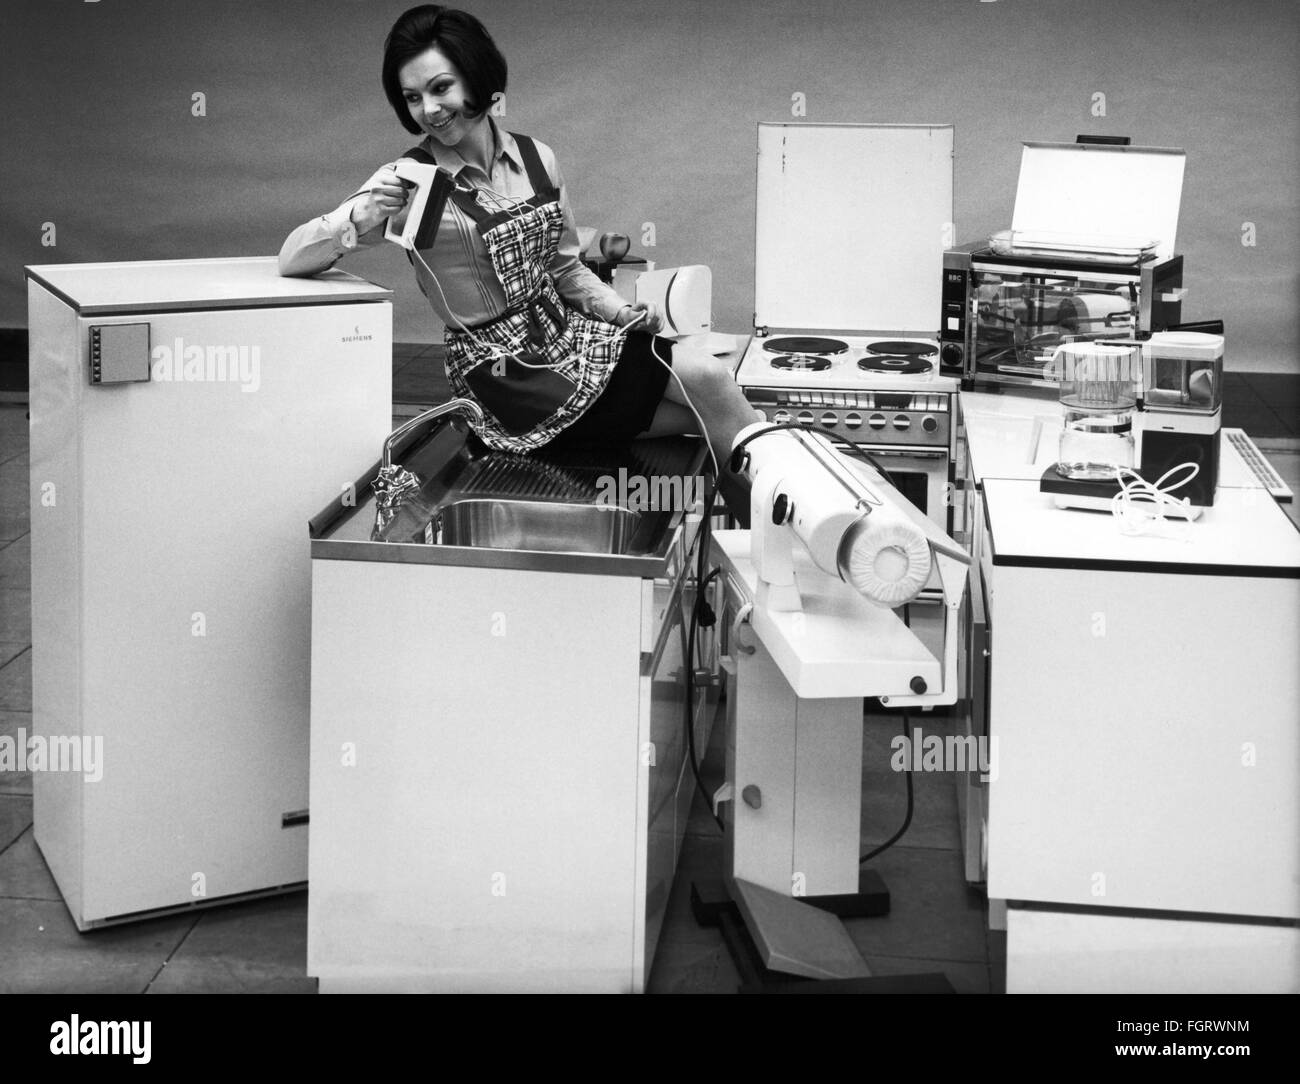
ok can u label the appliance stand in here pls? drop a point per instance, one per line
(805, 937)
(794, 780)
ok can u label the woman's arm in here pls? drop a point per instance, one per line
(359, 220)
(574, 281)
(318, 244)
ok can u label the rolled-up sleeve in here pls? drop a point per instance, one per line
(574, 281)
(315, 246)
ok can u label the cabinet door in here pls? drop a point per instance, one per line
(1140, 766)
(475, 777)
(663, 755)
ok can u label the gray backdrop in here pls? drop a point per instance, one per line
(652, 109)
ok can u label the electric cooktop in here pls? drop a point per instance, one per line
(850, 362)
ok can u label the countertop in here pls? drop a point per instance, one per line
(1245, 533)
(98, 289)
(1012, 439)
(1017, 436)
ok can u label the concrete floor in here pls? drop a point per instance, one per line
(937, 923)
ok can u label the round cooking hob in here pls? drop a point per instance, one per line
(907, 366)
(805, 344)
(809, 363)
(901, 348)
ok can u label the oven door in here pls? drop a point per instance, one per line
(1020, 316)
(920, 475)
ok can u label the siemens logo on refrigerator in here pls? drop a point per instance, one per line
(356, 337)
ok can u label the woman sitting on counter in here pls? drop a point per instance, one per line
(552, 354)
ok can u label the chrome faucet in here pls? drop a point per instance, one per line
(394, 485)
(420, 421)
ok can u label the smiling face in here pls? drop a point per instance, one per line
(435, 94)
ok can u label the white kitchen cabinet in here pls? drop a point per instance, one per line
(498, 784)
(1143, 823)
(1144, 820)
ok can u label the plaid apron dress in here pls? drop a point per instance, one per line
(536, 368)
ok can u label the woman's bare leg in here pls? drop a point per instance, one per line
(671, 418)
(717, 397)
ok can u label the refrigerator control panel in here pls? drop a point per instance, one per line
(119, 353)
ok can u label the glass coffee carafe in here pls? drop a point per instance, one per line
(1099, 384)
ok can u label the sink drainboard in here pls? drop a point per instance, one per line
(525, 478)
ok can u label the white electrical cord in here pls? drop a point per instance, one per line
(682, 388)
(498, 352)
(493, 348)
(1143, 507)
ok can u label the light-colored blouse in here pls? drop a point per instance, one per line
(459, 259)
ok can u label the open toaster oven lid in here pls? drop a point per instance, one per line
(852, 223)
(1103, 190)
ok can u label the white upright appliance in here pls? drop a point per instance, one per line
(850, 232)
(187, 418)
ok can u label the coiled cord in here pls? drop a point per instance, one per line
(1144, 508)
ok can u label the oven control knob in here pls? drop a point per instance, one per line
(853, 421)
(951, 356)
(930, 423)
(829, 418)
(781, 417)
(902, 422)
(876, 421)
(805, 417)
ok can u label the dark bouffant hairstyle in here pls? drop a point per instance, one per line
(461, 38)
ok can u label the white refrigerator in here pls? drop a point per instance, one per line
(187, 418)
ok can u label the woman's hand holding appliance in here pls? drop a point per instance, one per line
(381, 197)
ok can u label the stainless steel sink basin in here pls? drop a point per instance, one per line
(548, 526)
(544, 512)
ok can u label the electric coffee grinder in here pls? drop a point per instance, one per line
(1182, 410)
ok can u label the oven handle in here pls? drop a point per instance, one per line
(903, 453)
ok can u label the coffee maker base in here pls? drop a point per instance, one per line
(1097, 496)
